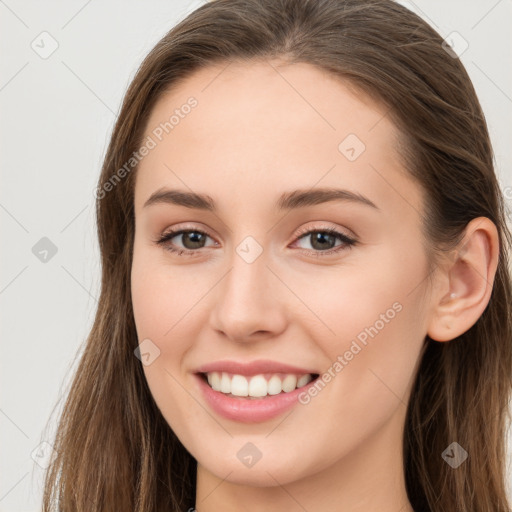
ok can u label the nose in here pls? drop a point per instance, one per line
(249, 302)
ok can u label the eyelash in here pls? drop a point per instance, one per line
(347, 241)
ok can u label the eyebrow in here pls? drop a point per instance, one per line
(287, 201)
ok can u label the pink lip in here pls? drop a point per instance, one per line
(252, 368)
(247, 410)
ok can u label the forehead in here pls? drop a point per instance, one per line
(263, 126)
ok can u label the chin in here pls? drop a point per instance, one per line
(263, 473)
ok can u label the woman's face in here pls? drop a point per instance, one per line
(267, 283)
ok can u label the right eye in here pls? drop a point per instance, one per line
(195, 241)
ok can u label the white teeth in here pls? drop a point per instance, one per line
(302, 381)
(274, 385)
(214, 380)
(257, 385)
(225, 383)
(289, 383)
(239, 386)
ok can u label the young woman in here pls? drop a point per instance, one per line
(306, 301)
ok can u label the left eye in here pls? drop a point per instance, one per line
(320, 239)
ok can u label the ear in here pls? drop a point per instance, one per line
(466, 282)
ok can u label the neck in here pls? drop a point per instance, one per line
(370, 477)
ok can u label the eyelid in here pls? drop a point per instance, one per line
(302, 231)
(347, 240)
(325, 227)
(185, 228)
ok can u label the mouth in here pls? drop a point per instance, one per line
(256, 387)
(252, 399)
(252, 391)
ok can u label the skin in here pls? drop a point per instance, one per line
(261, 129)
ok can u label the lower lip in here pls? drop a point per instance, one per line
(247, 410)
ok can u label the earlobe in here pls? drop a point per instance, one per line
(469, 280)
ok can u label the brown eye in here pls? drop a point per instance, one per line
(192, 240)
(323, 241)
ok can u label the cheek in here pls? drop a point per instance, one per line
(160, 308)
(160, 297)
(161, 311)
(378, 318)
(362, 297)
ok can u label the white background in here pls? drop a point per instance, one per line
(56, 118)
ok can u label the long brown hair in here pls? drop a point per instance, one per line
(114, 449)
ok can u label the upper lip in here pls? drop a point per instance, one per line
(252, 368)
